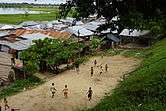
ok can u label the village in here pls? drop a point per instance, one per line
(74, 63)
(16, 38)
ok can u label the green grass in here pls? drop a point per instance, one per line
(133, 53)
(18, 18)
(144, 89)
(19, 85)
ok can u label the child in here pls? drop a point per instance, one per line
(65, 91)
(15, 109)
(106, 67)
(95, 62)
(6, 104)
(101, 69)
(91, 71)
(53, 90)
(77, 67)
(90, 92)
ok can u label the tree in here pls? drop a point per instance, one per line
(49, 53)
(96, 43)
(139, 14)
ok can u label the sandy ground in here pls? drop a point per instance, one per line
(39, 98)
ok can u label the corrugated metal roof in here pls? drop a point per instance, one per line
(59, 26)
(53, 34)
(133, 32)
(79, 31)
(35, 36)
(6, 27)
(91, 27)
(113, 38)
(28, 23)
(19, 45)
(2, 34)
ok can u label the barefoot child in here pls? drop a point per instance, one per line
(53, 90)
(89, 93)
(106, 67)
(65, 91)
(6, 104)
(95, 62)
(101, 69)
(91, 71)
(77, 67)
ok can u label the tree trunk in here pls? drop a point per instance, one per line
(43, 66)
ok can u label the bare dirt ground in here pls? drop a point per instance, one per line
(39, 98)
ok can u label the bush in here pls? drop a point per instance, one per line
(19, 85)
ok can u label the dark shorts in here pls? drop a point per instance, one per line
(89, 95)
(65, 93)
(53, 92)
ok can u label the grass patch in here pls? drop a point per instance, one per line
(133, 53)
(144, 89)
(112, 52)
(18, 18)
(19, 85)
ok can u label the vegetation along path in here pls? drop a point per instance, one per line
(39, 99)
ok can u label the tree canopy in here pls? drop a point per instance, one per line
(140, 14)
(49, 52)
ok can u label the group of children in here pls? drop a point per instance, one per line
(90, 92)
(101, 68)
(53, 91)
(65, 91)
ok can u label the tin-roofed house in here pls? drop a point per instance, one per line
(80, 32)
(28, 23)
(143, 37)
(112, 40)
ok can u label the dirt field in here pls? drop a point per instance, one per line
(39, 99)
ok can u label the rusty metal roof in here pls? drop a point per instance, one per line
(53, 34)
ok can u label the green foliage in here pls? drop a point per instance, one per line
(144, 89)
(113, 52)
(49, 52)
(19, 85)
(135, 14)
(95, 43)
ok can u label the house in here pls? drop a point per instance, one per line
(60, 27)
(34, 36)
(4, 34)
(68, 21)
(113, 40)
(51, 33)
(91, 27)
(7, 27)
(80, 31)
(28, 23)
(136, 36)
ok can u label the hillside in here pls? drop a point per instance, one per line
(144, 89)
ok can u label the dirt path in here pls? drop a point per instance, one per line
(39, 99)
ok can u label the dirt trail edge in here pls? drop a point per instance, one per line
(39, 99)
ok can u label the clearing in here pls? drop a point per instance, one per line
(39, 98)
